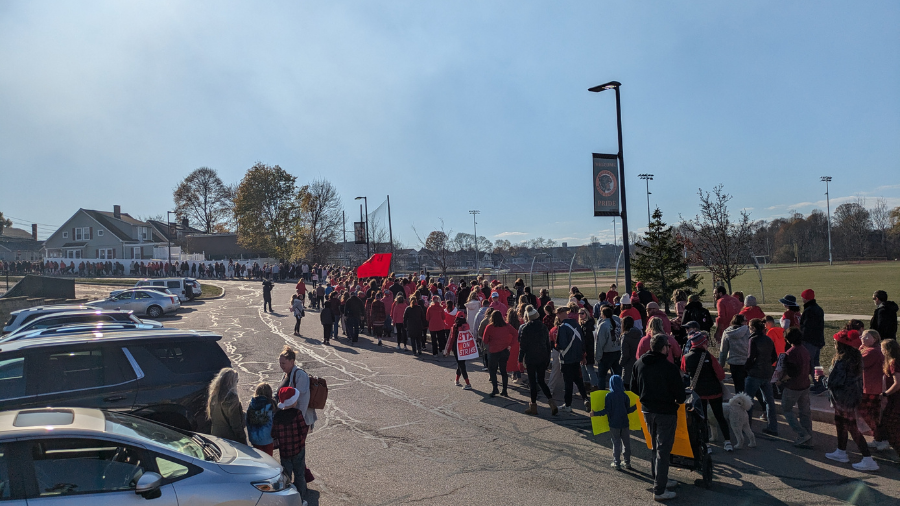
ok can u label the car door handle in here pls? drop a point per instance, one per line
(115, 398)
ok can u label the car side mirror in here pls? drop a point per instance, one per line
(148, 485)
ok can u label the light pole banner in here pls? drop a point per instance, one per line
(359, 232)
(606, 185)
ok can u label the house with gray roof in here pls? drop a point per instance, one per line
(17, 244)
(104, 235)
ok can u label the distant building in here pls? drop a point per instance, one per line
(218, 246)
(104, 235)
(17, 244)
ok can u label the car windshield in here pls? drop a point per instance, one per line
(132, 426)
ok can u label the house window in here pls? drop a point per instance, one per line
(143, 233)
(73, 253)
(82, 234)
(105, 253)
(99, 233)
(136, 253)
(65, 235)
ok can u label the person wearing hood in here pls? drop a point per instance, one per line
(658, 384)
(472, 306)
(734, 350)
(260, 414)
(709, 381)
(534, 355)
(695, 312)
(812, 333)
(608, 345)
(618, 406)
(885, 318)
(459, 325)
(751, 310)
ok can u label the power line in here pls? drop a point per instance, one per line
(23, 220)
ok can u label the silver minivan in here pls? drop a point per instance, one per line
(79, 456)
(175, 285)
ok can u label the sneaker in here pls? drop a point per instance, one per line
(457, 383)
(379, 342)
(866, 464)
(398, 346)
(616, 465)
(628, 466)
(880, 445)
(770, 432)
(566, 409)
(467, 387)
(728, 447)
(665, 496)
(763, 418)
(587, 405)
(803, 441)
(671, 484)
(838, 456)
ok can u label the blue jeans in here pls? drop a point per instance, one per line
(813, 351)
(296, 465)
(590, 374)
(337, 322)
(751, 385)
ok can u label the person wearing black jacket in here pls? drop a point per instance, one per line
(885, 318)
(415, 323)
(759, 372)
(812, 333)
(534, 356)
(695, 312)
(463, 296)
(354, 310)
(267, 295)
(658, 384)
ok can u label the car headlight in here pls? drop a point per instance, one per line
(274, 484)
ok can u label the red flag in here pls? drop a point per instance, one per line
(379, 265)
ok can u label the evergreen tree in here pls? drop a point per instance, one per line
(659, 262)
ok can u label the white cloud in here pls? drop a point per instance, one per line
(510, 234)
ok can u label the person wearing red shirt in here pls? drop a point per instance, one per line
(726, 307)
(498, 337)
(497, 304)
(751, 310)
(776, 334)
(612, 294)
(629, 310)
(870, 406)
(435, 317)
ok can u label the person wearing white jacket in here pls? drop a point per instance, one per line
(608, 348)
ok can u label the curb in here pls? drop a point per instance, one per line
(217, 296)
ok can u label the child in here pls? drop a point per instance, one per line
(618, 406)
(260, 414)
(299, 312)
(289, 431)
(327, 319)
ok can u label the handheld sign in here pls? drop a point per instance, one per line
(600, 424)
(682, 444)
(465, 345)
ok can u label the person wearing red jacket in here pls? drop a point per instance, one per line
(498, 337)
(498, 304)
(751, 310)
(459, 325)
(726, 306)
(435, 317)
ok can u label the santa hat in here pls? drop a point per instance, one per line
(287, 397)
(849, 337)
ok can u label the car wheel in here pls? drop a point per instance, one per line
(154, 311)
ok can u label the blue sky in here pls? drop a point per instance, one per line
(451, 106)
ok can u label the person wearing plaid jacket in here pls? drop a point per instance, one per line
(289, 432)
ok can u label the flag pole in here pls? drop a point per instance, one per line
(390, 235)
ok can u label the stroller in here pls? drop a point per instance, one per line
(697, 430)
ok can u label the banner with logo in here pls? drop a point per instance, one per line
(359, 232)
(465, 345)
(606, 185)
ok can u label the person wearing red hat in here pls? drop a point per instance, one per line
(812, 333)
(845, 384)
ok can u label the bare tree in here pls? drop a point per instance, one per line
(718, 243)
(852, 226)
(881, 218)
(203, 198)
(438, 244)
(320, 221)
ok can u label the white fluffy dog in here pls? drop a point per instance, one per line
(739, 420)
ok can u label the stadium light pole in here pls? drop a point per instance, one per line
(475, 226)
(647, 178)
(826, 180)
(366, 202)
(614, 85)
(168, 239)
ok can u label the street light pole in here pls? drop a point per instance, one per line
(614, 85)
(827, 179)
(168, 240)
(475, 226)
(647, 178)
(366, 202)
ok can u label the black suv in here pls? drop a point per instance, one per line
(159, 374)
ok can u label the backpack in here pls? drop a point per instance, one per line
(259, 417)
(704, 319)
(318, 392)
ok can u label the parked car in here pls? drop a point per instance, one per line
(160, 374)
(176, 285)
(77, 456)
(160, 289)
(99, 329)
(65, 318)
(143, 302)
(23, 316)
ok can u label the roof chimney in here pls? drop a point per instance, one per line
(34, 231)
(117, 212)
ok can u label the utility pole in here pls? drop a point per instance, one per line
(475, 226)
(390, 234)
(647, 178)
(827, 179)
